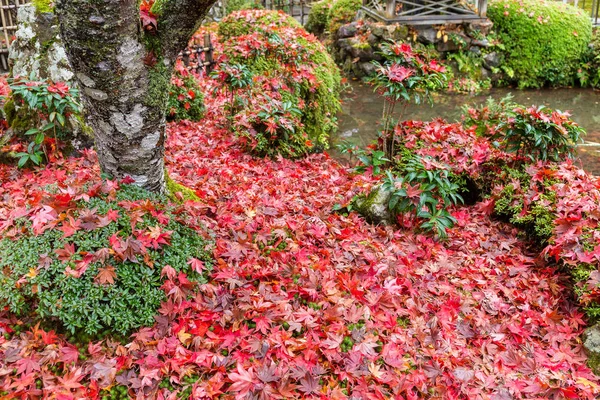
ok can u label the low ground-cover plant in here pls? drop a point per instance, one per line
(97, 259)
(283, 85)
(544, 40)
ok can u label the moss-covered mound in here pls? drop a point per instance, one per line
(318, 17)
(544, 40)
(98, 261)
(342, 12)
(290, 105)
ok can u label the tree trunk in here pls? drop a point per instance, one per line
(124, 75)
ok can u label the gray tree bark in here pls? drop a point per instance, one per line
(124, 74)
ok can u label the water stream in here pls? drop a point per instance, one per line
(361, 112)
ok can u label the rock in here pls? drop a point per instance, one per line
(347, 30)
(345, 44)
(591, 345)
(373, 40)
(374, 206)
(378, 30)
(367, 68)
(427, 34)
(492, 60)
(399, 32)
(481, 43)
(479, 29)
(475, 50)
(455, 42)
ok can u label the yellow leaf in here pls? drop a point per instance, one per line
(32, 273)
(250, 213)
(445, 38)
(439, 34)
(184, 337)
(588, 383)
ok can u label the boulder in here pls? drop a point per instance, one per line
(367, 68)
(427, 34)
(347, 30)
(374, 206)
(478, 29)
(591, 345)
(492, 60)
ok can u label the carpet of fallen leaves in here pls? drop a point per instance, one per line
(307, 303)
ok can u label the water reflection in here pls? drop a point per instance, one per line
(361, 112)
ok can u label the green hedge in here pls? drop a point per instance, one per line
(544, 40)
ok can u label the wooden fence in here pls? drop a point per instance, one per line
(425, 12)
(199, 57)
(592, 7)
(8, 19)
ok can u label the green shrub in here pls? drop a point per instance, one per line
(105, 277)
(248, 21)
(318, 17)
(237, 5)
(544, 40)
(186, 101)
(290, 106)
(589, 70)
(342, 12)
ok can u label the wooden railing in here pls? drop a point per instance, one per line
(430, 12)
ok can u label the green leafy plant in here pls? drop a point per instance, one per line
(369, 158)
(39, 112)
(424, 193)
(234, 78)
(407, 75)
(538, 133)
(103, 269)
(486, 117)
(186, 101)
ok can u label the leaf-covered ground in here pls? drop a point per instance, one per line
(304, 302)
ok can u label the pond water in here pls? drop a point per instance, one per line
(361, 112)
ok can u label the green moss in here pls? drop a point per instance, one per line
(341, 13)
(318, 17)
(543, 43)
(237, 5)
(158, 89)
(43, 6)
(239, 24)
(173, 188)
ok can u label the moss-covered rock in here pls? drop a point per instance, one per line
(544, 40)
(374, 206)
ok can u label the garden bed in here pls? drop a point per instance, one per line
(305, 302)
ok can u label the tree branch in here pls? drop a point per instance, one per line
(178, 21)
